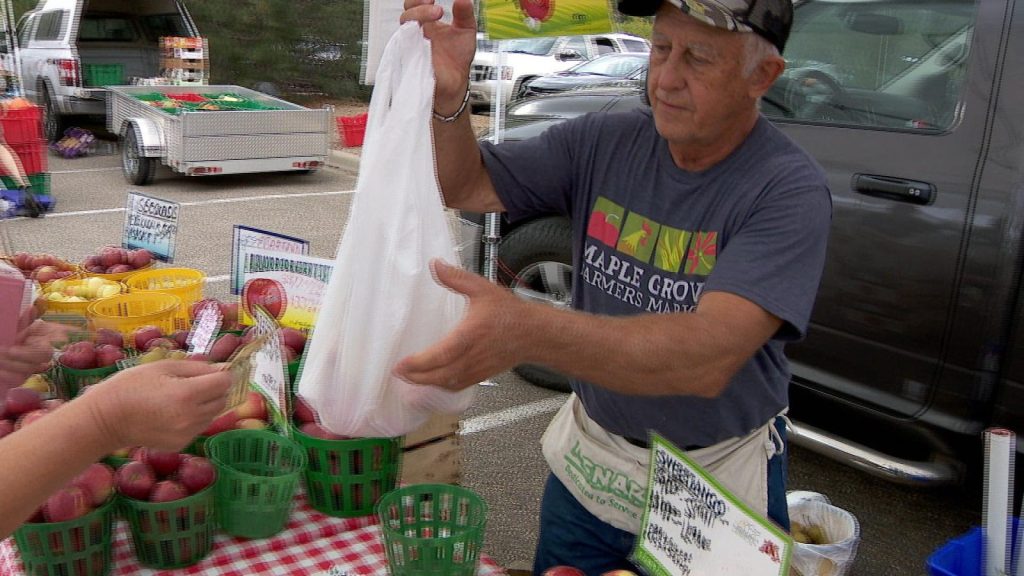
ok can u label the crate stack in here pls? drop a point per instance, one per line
(184, 60)
(23, 132)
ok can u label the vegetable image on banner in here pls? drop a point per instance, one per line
(504, 19)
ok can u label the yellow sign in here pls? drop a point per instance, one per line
(505, 19)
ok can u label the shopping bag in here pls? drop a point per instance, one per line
(382, 302)
(837, 530)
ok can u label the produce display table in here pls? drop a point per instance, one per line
(313, 544)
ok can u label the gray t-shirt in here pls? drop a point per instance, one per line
(649, 237)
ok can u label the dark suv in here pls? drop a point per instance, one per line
(913, 109)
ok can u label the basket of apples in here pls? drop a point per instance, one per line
(71, 532)
(42, 268)
(116, 263)
(258, 476)
(249, 415)
(168, 500)
(73, 295)
(127, 313)
(344, 477)
(84, 363)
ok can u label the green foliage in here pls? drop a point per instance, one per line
(636, 26)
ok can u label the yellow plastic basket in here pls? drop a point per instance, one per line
(120, 276)
(127, 312)
(79, 308)
(185, 283)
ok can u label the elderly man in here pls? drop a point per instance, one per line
(699, 240)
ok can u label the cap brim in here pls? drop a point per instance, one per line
(639, 7)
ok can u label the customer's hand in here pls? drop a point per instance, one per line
(31, 353)
(452, 47)
(162, 405)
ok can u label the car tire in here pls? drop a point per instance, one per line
(137, 168)
(53, 121)
(535, 261)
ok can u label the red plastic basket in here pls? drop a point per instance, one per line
(22, 125)
(352, 129)
(32, 156)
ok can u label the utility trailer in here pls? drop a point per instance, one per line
(274, 136)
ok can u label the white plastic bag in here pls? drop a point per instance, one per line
(839, 527)
(382, 302)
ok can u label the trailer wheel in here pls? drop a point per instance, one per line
(535, 261)
(137, 168)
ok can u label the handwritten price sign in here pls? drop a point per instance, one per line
(693, 525)
(269, 375)
(151, 223)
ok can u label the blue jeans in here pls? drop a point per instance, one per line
(572, 536)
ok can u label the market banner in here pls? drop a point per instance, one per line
(151, 224)
(290, 287)
(693, 525)
(245, 238)
(505, 19)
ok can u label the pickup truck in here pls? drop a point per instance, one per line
(61, 39)
(916, 344)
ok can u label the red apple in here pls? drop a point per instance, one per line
(98, 482)
(225, 421)
(97, 269)
(135, 480)
(108, 355)
(163, 463)
(294, 339)
(230, 311)
(113, 256)
(193, 311)
(21, 259)
(162, 342)
(139, 258)
(142, 335)
(196, 473)
(253, 407)
(138, 453)
(45, 274)
(108, 336)
(67, 504)
(78, 356)
(119, 269)
(303, 412)
(21, 400)
(224, 347)
(265, 292)
(180, 339)
(167, 491)
(563, 571)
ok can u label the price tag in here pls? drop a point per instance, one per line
(204, 329)
(270, 376)
(693, 525)
(151, 223)
(246, 238)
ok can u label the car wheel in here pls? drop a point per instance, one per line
(536, 263)
(53, 122)
(137, 168)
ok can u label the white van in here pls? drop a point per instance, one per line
(70, 49)
(527, 58)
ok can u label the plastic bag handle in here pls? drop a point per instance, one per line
(393, 70)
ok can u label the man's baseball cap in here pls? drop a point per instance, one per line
(771, 19)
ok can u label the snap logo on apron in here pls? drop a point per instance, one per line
(608, 475)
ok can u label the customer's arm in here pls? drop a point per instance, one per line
(162, 405)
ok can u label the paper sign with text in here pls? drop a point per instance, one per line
(246, 238)
(269, 375)
(505, 19)
(152, 224)
(693, 525)
(289, 286)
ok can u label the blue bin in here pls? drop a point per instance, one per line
(962, 556)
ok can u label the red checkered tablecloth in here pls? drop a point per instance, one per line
(312, 544)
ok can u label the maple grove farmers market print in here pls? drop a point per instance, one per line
(639, 261)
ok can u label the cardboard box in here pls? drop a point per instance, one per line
(433, 454)
(178, 63)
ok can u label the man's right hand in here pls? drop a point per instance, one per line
(452, 48)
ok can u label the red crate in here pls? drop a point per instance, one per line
(22, 125)
(352, 129)
(32, 156)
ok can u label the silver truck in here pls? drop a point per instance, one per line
(61, 39)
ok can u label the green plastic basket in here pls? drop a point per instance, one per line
(347, 478)
(257, 477)
(40, 183)
(197, 446)
(432, 530)
(70, 382)
(171, 534)
(79, 547)
(151, 96)
(103, 74)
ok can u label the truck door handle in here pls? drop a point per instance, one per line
(898, 189)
